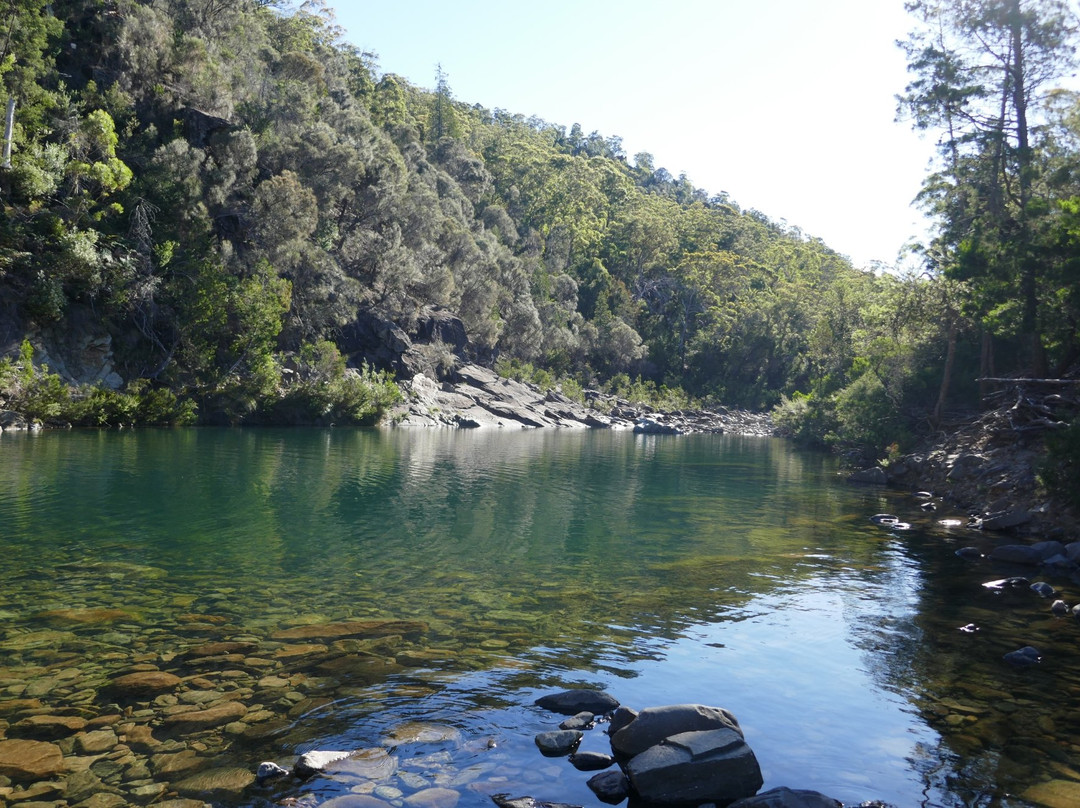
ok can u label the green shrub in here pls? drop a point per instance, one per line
(1061, 470)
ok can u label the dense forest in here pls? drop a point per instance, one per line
(219, 191)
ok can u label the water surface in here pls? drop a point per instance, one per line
(715, 569)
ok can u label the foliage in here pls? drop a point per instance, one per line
(1061, 471)
(226, 187)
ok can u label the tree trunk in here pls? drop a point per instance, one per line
(9, 130)
(946, 380)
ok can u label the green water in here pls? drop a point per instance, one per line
(722, 570)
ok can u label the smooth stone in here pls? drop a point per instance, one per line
(142, 683)
(1054, 794)
(582, 720)
(176, 763)
(224, 782)
(371, 764)
(787, 798)
(572, 702)
(352, 628)
(147, 793)
(422, 732)
(1059, 607)
(82, 617)
(221, 648)
(47, 727)
(610, 787)
(98, 741)
(433, 798)
(559, 742)
(102, 800)
(315, 761)
(654, 724)
(215, 716)
(591, 761)
(713, 765)
(1043, 589)
(355, 801)
(180, 803)
(505, 801)
(1023, 657)
(81, 785)
(23, 760)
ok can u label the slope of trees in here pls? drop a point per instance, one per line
(224, 187)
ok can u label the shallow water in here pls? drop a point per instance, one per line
(714, 569)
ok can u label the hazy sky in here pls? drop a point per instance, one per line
(787, 105)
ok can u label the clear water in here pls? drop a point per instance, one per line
(722, 570)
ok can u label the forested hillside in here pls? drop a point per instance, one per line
(221, 190)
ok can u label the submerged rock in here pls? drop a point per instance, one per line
(572, 702)
(23, 760)
(787, 798)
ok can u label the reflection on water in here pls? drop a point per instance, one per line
(723, 570)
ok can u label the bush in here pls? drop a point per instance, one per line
(1061, 470)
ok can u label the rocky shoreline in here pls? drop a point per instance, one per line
(987, 467)
(474, 397)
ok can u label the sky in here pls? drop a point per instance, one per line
(788, 106)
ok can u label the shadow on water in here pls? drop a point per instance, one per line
(464, 573)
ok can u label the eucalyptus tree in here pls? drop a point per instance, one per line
(983, 72)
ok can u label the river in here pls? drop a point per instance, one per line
(411, 592)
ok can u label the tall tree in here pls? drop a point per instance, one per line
(983, 71)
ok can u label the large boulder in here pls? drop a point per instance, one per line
(713, 765)
(653, 724)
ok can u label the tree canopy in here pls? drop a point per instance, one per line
(224, 187)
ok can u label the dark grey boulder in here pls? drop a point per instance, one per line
(561, 742)
(870, 476)
(654, 724)
(1004, 520)
(591, 761)
(1043, 589)
(787, 798)
(610, 787)
(620, 718)
(713, 765)
(1016, 554)
(572, 702)
(1023, 657)
(1059, 607)
(583, 720)
(1049, 549)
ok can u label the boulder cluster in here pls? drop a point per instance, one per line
(674, 755)
(472, 396)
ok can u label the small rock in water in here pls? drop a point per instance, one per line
(268, 771)
(591, 761)
(1043, 589)
(562, 742)
(970, 628)
(1059, 607)
(1023, 657)
(970, 553)
(610, 787)
(885, 519)
(505, 801)
(583, 720)
(1000, 585)
(572, 702)
(928, 506)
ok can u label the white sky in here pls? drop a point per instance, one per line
(787, 105)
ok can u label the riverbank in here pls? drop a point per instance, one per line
(991, 466)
